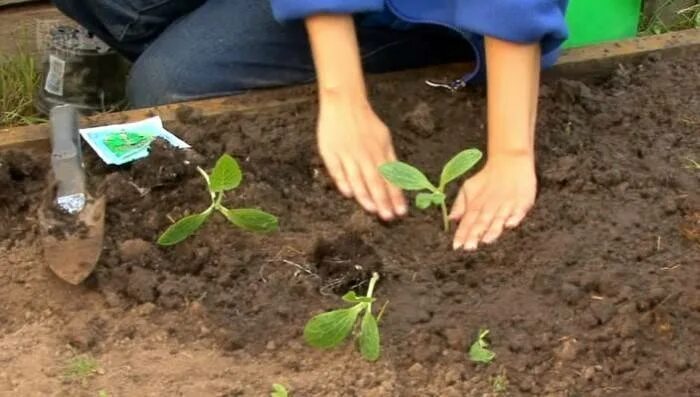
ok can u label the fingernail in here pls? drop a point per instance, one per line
(386, 214)
(456, 245)
(402, 210)
(369, 206)
(470, 246)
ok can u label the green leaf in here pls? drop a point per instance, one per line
(458, 165)
(226, 175)
(182, 229)
(251, 219)
(425, 200)
(330, 329)
(279, 391)
(369, 337)
(352, 297)
(405, 176)
(479, 351)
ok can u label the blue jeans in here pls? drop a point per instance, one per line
(192, 49)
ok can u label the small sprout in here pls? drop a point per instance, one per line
(328, 330)
(407, 177)
(692, 164)
(80, 368)
(279, 391)
(102, 393)
(226, 176)
(499, 383)
(479, 351)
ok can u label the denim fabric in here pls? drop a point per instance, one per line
(185, 49)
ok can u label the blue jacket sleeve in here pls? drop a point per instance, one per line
(285, 10)
(521, 21)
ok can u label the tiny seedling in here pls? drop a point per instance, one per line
(479, 351)
(80, 368)
(499, 383)
(328, 330)
(102, 393)
(279, 391)
(226, 176)
(692, 164)
(408, 177)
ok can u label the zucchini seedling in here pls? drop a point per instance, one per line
(225, 176)
(328, 330)
(279, 390)
(408, 177)
(479, 351)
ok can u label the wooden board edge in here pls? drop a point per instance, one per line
(578, 61)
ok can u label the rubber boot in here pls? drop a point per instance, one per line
(81, 70)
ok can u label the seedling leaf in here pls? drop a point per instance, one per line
(279, 391)
(458, 165)
(352, 297)
(182, 229)
(425, 200)
(226, 175)
(330, 329)
(479, 351)
(369, 337)
(252, 219)
(404, 176)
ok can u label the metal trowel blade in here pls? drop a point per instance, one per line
(72, 243)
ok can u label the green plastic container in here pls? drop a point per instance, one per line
(597, 21)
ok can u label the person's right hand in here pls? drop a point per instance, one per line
(353, 143)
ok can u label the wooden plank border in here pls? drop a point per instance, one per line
(591, 60)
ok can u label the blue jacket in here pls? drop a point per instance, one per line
(520, 21)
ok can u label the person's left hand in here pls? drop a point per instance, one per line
(497, 197)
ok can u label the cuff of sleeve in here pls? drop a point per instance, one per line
(286, 10)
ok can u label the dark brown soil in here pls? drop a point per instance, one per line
(597, 293)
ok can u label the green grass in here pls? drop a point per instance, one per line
(688, 18)
(80, 368)
(19, 79)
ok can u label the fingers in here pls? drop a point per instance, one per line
(516, 217)
(497, 225)
(378, 191)
(356, 181)
(396, 197)
(365, 183)
(459, 206)
(464, 230)
(336, 171)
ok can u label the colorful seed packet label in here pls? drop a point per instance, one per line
(119, 144)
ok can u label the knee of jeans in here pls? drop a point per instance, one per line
(156, 80)
(64, 5)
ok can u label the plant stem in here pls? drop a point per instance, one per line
(372, 282)
(206, 178)
(445, 218)
(370, 290)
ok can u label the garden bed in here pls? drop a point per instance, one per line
(597, 293)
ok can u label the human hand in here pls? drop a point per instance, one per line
(353, 143)
(497, 197)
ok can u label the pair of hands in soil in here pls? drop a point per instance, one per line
(354, 142)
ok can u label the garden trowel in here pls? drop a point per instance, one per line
(71, 220)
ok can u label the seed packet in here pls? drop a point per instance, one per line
(119, 144)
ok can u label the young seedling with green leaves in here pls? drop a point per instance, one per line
(479, 351)
(408, 177)
(328, 330)
(279, 391)
(226, 176)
